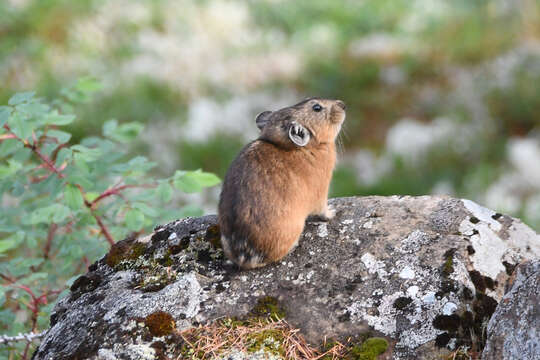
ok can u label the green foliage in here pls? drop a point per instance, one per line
(64, 204)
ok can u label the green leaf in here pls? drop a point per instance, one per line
(33, 109)
(52, 213)
(205, 179)
(61, 212)
(19, 98)
(5, 112)
(164, 192)
(73, 197)
(7, 244)
(35, 277)
(91, 196)
(61, 136)
(122, 133)
(138, 164)
(86, 153)
(80, 163)
(11, 241)
(21, 126)
(134, 220)
(78, 179)
(194, 181)
(9, 146)
(64, 155)
(18, 189)
(186, 183)
(6, 171)
(145, 209)
(54, 118)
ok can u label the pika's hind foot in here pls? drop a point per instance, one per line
(325, 216)
(329, 213)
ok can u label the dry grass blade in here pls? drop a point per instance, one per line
(227, 335)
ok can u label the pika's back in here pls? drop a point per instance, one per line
(277, 181)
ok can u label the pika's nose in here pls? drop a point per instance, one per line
(341, 104)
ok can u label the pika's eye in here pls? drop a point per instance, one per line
(317, 107)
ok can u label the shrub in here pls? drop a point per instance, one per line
(63, 204)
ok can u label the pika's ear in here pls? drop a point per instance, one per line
(262, 119)
(299, 134)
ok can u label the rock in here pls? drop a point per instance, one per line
(425, 273)
(513, 330)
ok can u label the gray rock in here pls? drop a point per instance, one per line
(513, 330)
(424, 272)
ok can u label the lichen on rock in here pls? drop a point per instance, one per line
(416, 271)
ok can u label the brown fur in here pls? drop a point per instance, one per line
(274, 184)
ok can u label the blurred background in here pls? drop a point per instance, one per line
(443, 97)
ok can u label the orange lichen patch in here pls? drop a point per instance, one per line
(160, 323)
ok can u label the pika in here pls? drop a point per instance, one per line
(278, 180)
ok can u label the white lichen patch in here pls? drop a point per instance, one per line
(492, 247)
(374, 266)
(241, 355)
(322, 230)
(423, 309)
(106, 354)
(139, 352)
(449, 308)
(483, 214)
(413, 242)
(384, 321)
(132, 324)
(461, 275)
(303, 278)
(407, 273)
(412, 291)
(129, 352)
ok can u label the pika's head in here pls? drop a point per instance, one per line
(309, 123)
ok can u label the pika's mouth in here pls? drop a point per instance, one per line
(338, 112)
(341, 104)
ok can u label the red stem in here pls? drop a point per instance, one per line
(36, 151)
(116, 191)
(50, 236)
(103, 228)
(7, 136)
(46, 160)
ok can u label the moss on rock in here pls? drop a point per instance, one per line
(270, 341)
(213, 236)
(128, 249)
(268, 306)
(369, 350)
